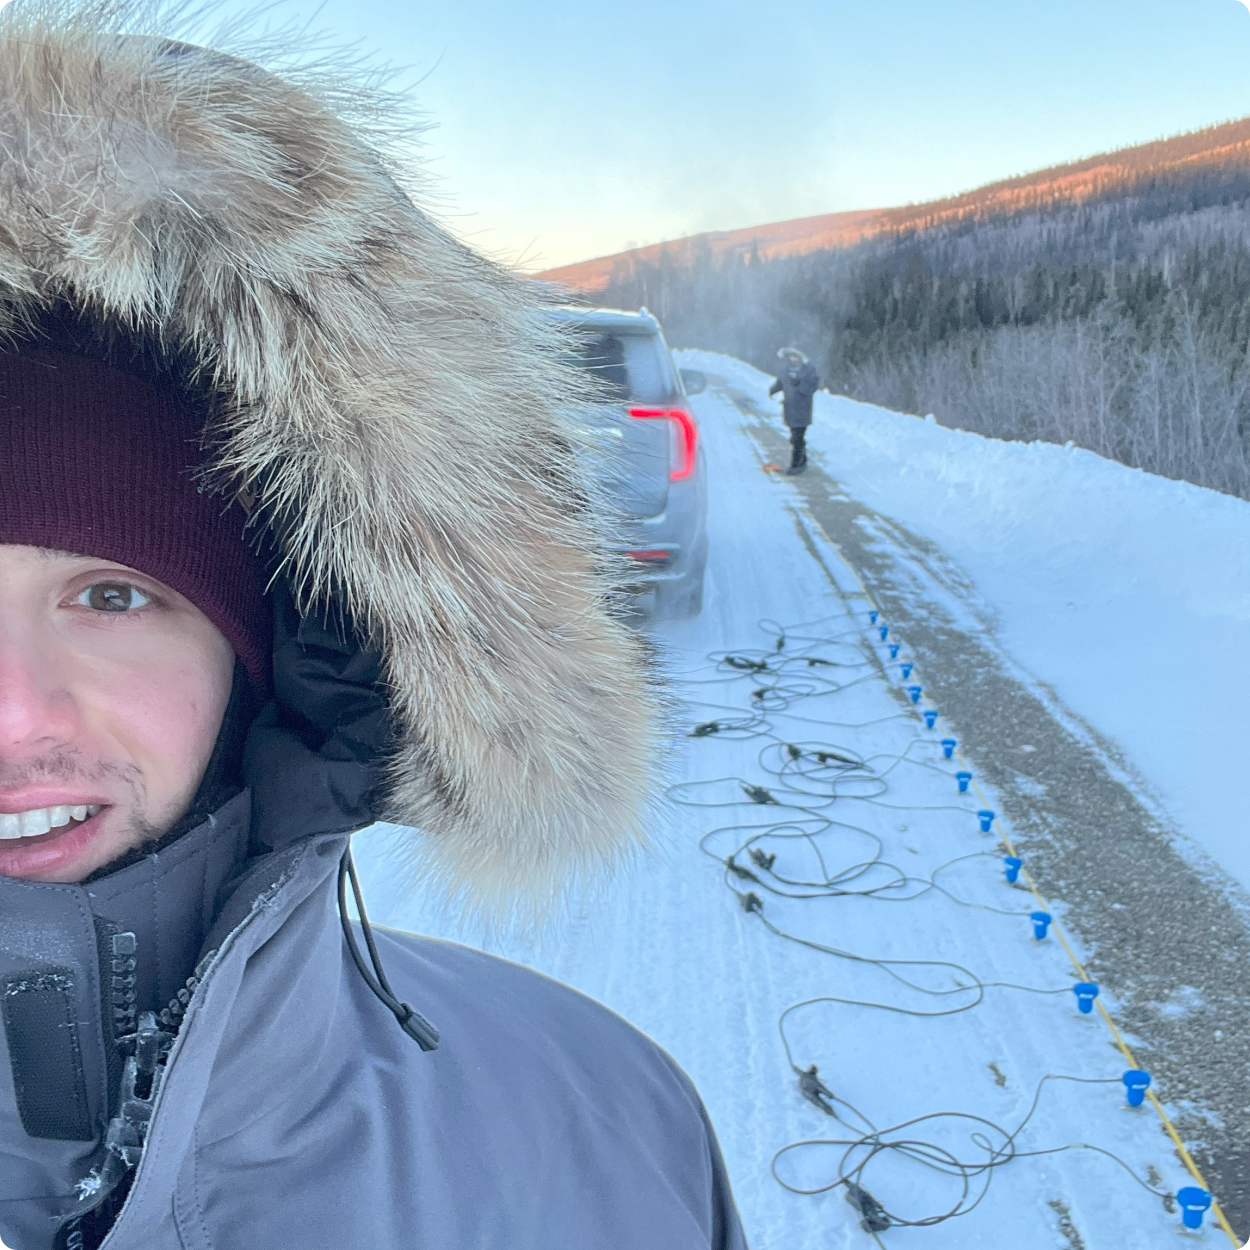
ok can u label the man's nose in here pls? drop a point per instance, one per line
(37, 709)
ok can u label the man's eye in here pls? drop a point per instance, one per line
(113, 597)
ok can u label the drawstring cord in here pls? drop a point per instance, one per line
(412, 1022)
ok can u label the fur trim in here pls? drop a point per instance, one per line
(785, 352)
(395, 402)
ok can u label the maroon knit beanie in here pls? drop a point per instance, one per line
(100, 461)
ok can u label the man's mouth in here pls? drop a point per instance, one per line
(41, 820)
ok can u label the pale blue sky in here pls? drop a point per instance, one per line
(567, 130)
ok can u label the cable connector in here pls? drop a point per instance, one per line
(815, 1090)
(873, 1216)
(737, 869)
(751, 902)
(825, 756)
(706, 729)
(763, 859)
(759, 794)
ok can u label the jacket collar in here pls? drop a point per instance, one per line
(170, 899)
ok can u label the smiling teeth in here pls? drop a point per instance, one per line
(41, 820)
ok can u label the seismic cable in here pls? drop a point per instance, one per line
(807, 783)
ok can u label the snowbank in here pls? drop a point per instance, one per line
(1128, 594)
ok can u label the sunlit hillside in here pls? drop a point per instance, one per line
(1213, 155)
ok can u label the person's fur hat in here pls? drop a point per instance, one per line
(393, 403)
(786, 353)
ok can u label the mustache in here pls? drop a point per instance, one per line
(65, 764)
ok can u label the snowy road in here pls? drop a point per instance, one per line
(670, 946)
(1159, 923)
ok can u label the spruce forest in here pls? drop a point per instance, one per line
(1107, 310)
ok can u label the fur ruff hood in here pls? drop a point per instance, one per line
(393, 402)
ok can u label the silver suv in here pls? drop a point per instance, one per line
(655, 478)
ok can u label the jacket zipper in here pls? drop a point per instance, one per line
(125, 964)
(145, 1038)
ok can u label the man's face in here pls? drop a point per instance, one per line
(112, 691)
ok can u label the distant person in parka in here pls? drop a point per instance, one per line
(290, 542)
(797, 383)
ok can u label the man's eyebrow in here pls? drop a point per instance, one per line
(48, 554)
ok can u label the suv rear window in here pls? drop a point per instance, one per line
(630, 366)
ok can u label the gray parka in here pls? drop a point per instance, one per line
(296, 1115)
(797, 383)
(393, 413)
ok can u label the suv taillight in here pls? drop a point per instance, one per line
(685, 437)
